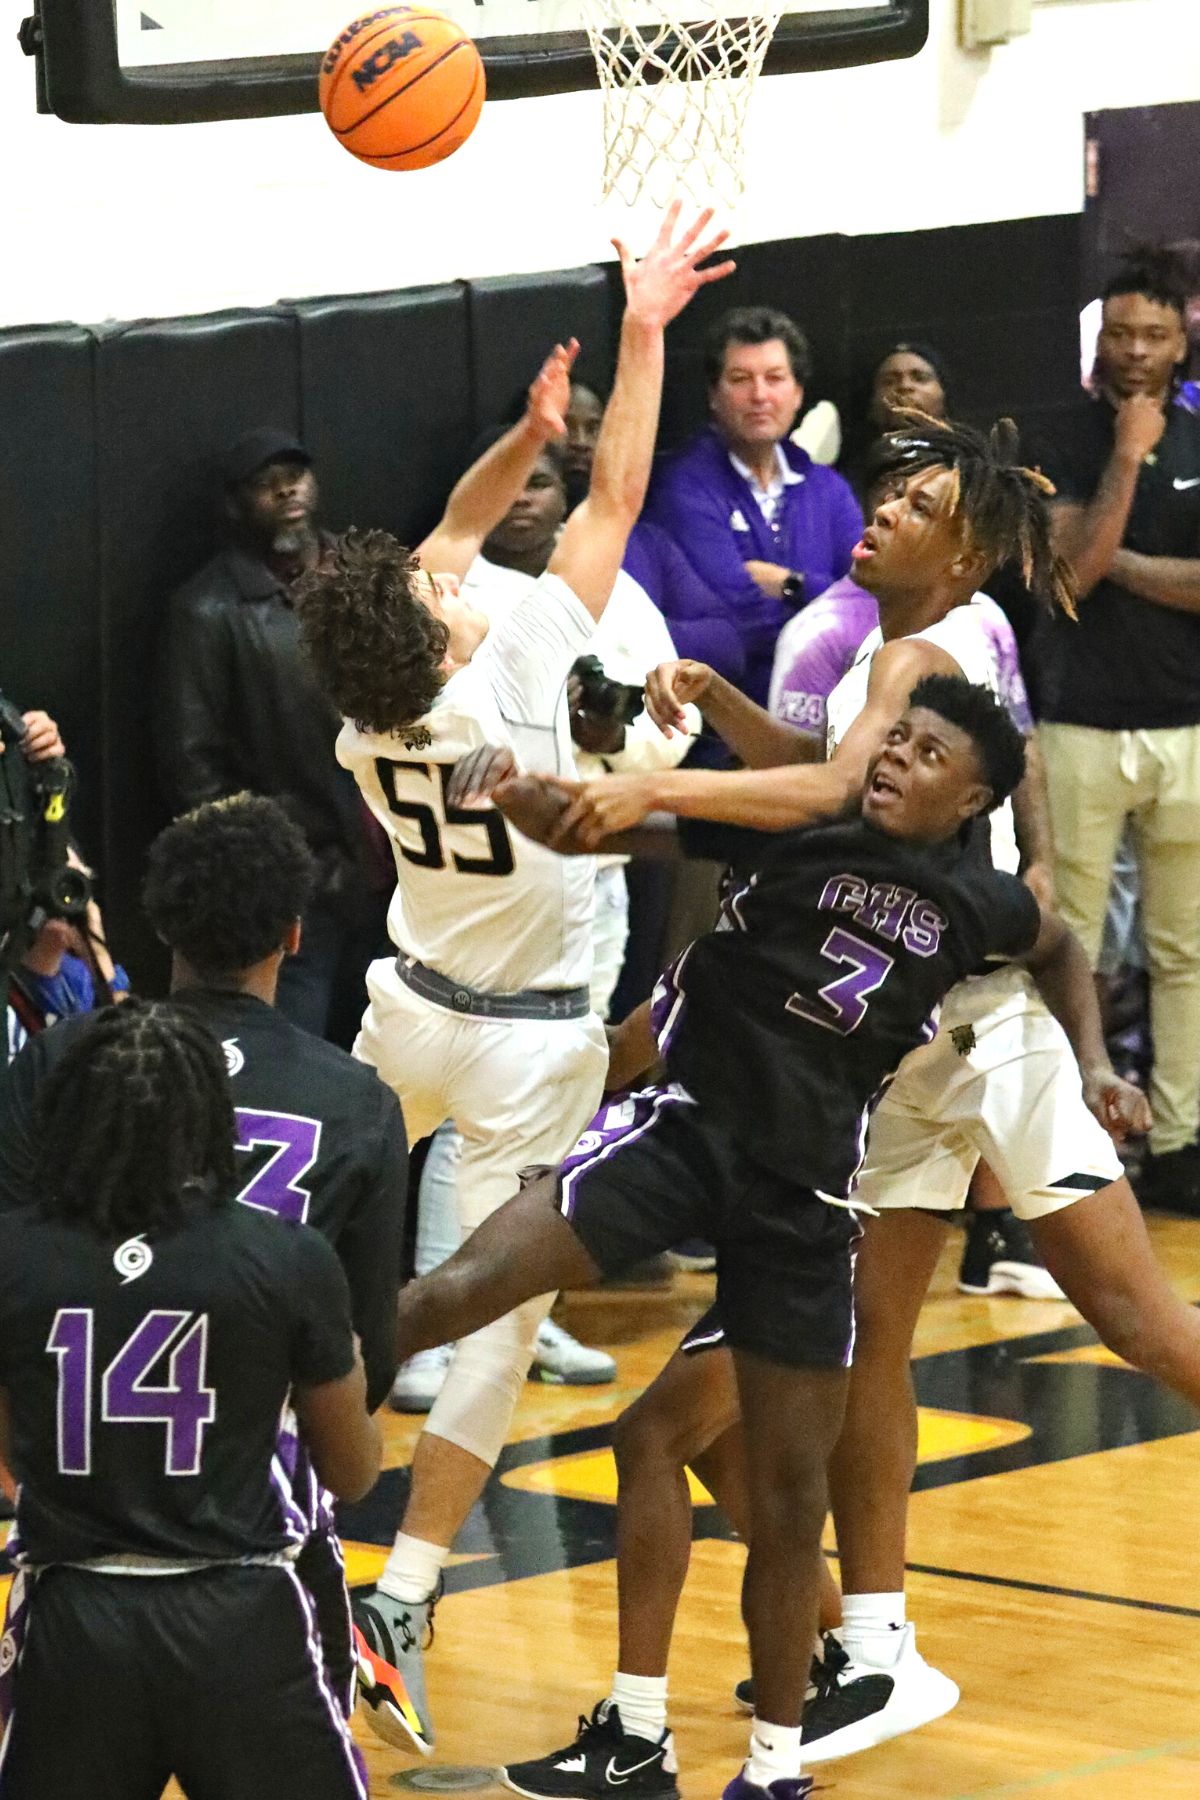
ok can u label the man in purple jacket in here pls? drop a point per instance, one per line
(765, 526)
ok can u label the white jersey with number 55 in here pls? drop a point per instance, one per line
(474, 899)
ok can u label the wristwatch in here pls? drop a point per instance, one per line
(791, 588)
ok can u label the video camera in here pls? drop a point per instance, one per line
(603, 697)
(37, 881)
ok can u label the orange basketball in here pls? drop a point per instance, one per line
(402, 88)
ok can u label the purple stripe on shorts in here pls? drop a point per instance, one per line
(618, 1123)
(16, 1624)
(667, 1003)
(337, 1718)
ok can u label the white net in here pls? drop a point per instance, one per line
(677, 77)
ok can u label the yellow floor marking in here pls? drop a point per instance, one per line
(364, 1562)
(1095, 1355)
(592, 1474)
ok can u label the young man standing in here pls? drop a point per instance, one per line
(483, 1018)
(776, 1032)
(1120, 694)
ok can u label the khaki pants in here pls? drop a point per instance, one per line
(1095, 781)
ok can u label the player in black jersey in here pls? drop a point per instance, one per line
(777, 1031)
(319, 1137)
(151, 1333)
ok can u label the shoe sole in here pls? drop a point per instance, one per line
(423, 1404)
(866, 1734)
(662, 1793)
(397, 1723)
(551, 1377)
(1005, 1279)
(745, 1707)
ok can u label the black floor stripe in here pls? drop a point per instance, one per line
(1063, 1593)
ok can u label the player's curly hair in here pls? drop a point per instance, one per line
(374, 645)
(1003, 504)
(135, 1125)
(999, 746)
(224, 883)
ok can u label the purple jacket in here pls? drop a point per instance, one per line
(818, 646)
(698, 621)
(697, 496)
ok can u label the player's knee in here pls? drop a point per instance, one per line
(645, 1435)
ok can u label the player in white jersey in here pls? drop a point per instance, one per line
(483, 1017)
(998, 1080)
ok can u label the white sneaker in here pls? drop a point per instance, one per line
(559, 1358)
(858, 1706)
(419, 1380)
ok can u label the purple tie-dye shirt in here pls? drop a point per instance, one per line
(816, 648)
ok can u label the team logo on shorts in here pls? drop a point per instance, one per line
(235, 1062)
(963, 1039)
(8, 1653)
(131, 1259)
(591, 1140)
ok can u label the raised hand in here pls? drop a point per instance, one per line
(550, 393)
(41, 740)
(602, 808)
(670, 687)
(475, 777)
(659, 286)
(1139, 426)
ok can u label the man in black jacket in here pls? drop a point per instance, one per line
(239, 710)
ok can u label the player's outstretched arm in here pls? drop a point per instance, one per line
(657, 289)
(1064, 978)
(490, 486)
(754, 736)
(342, 1438)
(765, 799)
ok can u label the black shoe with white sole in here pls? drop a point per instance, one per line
(604, 1760)
(832, 1655)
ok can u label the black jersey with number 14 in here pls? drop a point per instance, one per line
(828, 967)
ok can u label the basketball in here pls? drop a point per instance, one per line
(402, 88)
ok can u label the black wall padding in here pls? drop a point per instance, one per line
(49, 591)
(387, 404)
(517, 319)
(169, 394)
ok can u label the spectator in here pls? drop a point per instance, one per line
(764, 526)
(905, 376)
(67, 969)
(1120, 691)
(239, 710)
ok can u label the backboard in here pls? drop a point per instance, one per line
(163, 62)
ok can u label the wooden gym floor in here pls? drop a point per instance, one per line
(1055, 1569)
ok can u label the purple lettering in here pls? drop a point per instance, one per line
(923, 933)
(842, 893)
(884, 911)
(841, 1005)
(276, 1187)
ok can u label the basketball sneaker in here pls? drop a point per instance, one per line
(999, 1258)
(564, 1362)
(605, 1759)
(389, 1640)
(857, 1706)
(742, 1788)
(419, 1381)
(743, 1693)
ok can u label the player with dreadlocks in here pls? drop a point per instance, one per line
(151, 1332)
(999, 1080)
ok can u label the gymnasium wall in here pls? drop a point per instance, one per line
(118, 222)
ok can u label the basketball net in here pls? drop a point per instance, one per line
(676, 78)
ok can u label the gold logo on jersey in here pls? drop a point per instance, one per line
(963, 1039)
(420, 739)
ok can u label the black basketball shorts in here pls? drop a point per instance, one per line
(653, 1169)
(216, 1678)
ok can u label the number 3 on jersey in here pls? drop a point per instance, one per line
(183, 1403)
(431, 853)
(841, 1005)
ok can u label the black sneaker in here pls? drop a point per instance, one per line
(604, 1760)
(857, 1706)
(1171, 1182)
(743, 1693)
(999, 1258)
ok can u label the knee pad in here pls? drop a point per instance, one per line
(486, 1373)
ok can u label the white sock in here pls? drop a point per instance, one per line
(413, 1569)
(641, 1701)
(872, 1628)
(775, 1753)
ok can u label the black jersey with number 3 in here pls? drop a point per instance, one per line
(320, 1139)
(828, 968)
(146, 1379)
